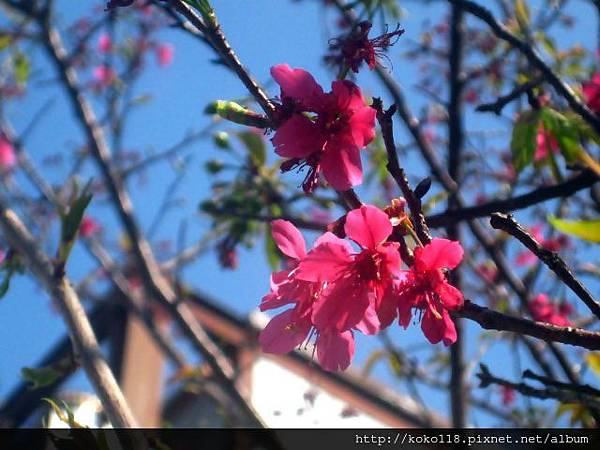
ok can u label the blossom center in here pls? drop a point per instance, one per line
(368, 266)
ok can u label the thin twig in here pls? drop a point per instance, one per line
(534, 59)
(549, 393)
(497, 106)
(80, 330)
(393, 166)
(508, 224)
(582, 181)
(493, 320)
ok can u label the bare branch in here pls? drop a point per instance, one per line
(80, 330)
(508, 224)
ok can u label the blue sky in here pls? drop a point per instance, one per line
(263, 33)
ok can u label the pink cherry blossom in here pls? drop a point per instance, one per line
(591, 93)
(324, 131)
(555, 244)
(104, 76)
(543, 309)
(426, 288)
(164, 54)
(104, 43)
(289, 329)
(89, 227)
(8, 157)
(508, 395)
(357, 282)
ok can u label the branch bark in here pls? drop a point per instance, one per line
(508, 224)
(78, 325)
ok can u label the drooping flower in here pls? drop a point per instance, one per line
(8, 157)
(426, 288)
(164, 54)
(104, 43)
(289, 329)
(89, 227)
(543, 309)
(357, 282)
(356, 47)
(591, 93)
(545, 143)
(324, 131)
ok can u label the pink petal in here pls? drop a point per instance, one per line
(525, 258)
(335, 350)
(438, 254)
(347, 95)
(8, 156)
(298, 84)
(387, 306)
(362, 126)
(342, 306)
(272, 301)
(368, 226)
(164, 54)
(324, 263)
(297, 137)
(282, 335)
(288, 238)
(370, 322)
(341, 164)
(438, 329)
(450, 335)
(451, 297)
(390, 259)
(331, 238)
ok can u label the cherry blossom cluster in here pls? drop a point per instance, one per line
(335, 289)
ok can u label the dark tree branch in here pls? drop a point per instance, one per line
(508, 224)
(397, 172)
(80, 330)
(487, 378)
(534, 59)
(154, 282)
(214, 35)
(493, 320)
(458, 388)
(497, 106)
(585, 389)
(582, 181)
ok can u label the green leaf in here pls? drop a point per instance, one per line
(5, 41)
(203, 7)
(522, 12)
(564, 131)
(21, 68)
(593, 360)
(68, 418)
(588, 230)
(584, 129)
(255, 145)
(70, 223)
(271, 250)
(40, 377)
(524, 139)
